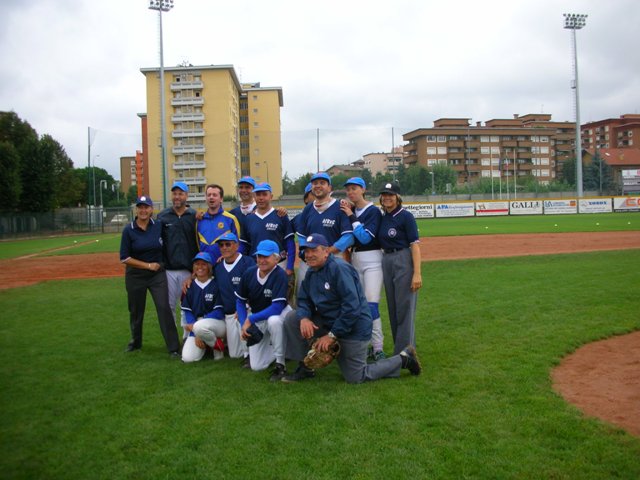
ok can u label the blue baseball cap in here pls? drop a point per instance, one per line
(308, 188)
(248, 180)
(356, 181)
(181, 185)
(229, 236)
(267, 248)
(316, 240)
(321, 176)
(204, 256)
(144, 200)
(262, 187)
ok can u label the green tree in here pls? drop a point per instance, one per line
(10, 185)
(132, 194)
(599, 171)
(569, 171)
(443, 174)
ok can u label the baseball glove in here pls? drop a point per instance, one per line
(317, 359)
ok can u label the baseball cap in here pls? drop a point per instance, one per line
(390, 188)
(356, 181)
(229, 236)
(267, 248)
(204, 256)
(181, 185)
(248, 180)
(144, 200)
(308, 188)
(316, 240)
(262, 187)
(321, 176)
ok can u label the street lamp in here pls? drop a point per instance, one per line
(433, 188)
(103, 186)
(162, 6)
(573, 22)
(93, 174)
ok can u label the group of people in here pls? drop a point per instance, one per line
(234, 273)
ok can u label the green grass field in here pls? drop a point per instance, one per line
(489, 332)
(610, 222)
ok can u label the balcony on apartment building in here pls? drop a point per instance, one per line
(190, 164)
(187, 101)
(192, 85)
(188, 117)
(194, 180)
(188, 149)
(188, 133)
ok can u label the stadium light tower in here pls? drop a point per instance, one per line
(573, 22)
(162, 6)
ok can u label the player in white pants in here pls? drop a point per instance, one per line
(366, 256)
(262, 304)
(199, 307)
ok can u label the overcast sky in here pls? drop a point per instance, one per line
(354, 69)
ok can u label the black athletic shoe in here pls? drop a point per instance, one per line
(410, 360)
(131, 348)
(245, 362)
(278, 372)
(175, 355)
(301, 373)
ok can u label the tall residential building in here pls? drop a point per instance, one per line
(217, 130)
(612, 133)
(383, 162)
(128, 173)
(524, 145)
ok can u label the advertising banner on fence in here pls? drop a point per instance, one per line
(420, 210)
(455, 209)
(560, 207)
(626, 204)
(525, 207)
(594, 205)
(485, 209)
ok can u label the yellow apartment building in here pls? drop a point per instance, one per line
(217, 130)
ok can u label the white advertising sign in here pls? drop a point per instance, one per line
(292, 212)
(560, 207)
(455, 209)
(525, 207)
(626, 204)
(595, 205)
(486, 209)
(420, 210)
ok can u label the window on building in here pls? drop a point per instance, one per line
(453, 137)
(485, 162)
(255, 124)
(431, 150)
(485, 138)
(544, 150)
(486, 150)
(442, 150)
(255, 97)
(431, 138)
(255, 110)
(442, 138)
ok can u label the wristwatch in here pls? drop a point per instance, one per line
(331, 335)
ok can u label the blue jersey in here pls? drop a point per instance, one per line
(200, 300)
(398, 230)
(260, 293)
(212, 227)
(228, 279)
(332, 222)
(333, 292)
(365, 230)
(240, 215)
(266, 227)
(143, 245)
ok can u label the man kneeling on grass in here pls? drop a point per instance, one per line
(204, 322)
(332, 307)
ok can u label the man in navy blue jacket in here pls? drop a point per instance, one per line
(332, 307)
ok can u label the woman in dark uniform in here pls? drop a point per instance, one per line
(141, 252)
(399, 240)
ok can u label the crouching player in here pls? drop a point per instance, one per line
(263, 289)
(199, 309)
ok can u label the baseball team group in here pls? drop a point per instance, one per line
(232, 274)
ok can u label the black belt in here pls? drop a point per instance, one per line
(391, 250)
(365, 249)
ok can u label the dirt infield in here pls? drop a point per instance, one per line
(602, 379)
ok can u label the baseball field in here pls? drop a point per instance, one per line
(489, 330)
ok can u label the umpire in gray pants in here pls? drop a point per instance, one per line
(332, 307)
